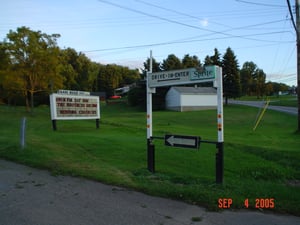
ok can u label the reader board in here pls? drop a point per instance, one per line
(74, 107)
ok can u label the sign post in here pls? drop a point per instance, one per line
(150, 145)
(180, 77)
(220, 144)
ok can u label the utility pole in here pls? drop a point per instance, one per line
(298, 57)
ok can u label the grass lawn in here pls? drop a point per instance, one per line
(258, 165)
(282, 100)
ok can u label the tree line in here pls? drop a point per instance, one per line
(32, 66)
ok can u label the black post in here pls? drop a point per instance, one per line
(54, 125)
(97, 123)
(220, 163)
(151, 156)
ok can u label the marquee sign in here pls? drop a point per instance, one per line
(72, 107)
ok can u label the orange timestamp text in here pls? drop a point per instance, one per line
(258, 203)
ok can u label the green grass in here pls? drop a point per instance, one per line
(260, 164)
(283, 100)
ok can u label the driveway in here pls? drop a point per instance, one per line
(30, 196)
(260, 104)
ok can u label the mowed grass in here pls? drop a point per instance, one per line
(262, 164)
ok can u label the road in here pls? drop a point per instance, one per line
(33, 197)
(259, 104)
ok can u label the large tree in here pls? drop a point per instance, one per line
(247, 74)
(214, 59)
(113, 76)
(33, 63)
(253, 80)
(231, 76)
(191, 61)
(172, 62)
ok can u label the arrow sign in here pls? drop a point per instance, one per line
(182, 141)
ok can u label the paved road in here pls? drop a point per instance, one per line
(33, 197)
(259, 104)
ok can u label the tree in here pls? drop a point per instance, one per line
(33, 63)
(214, 59)
(190, 61)
(231, 76)
(247, 74)
(156, 67)
(172, 62)
(260, 83)
(112, 76)
(252, 80)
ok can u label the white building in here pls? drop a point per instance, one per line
(191, 98)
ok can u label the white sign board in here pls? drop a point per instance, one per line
(72, 107)
(179, 77)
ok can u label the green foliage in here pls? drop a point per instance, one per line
(33, 57)
(190, 61)
(137, 96)
(172, 62)
(112, 76)
(253, 80)
(231, 75)
(213, 60)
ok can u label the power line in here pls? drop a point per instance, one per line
(172, 21)
(259, 3)
(187, 41)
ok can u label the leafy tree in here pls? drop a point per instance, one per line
(231, 76)
(33, 62)
(247, 74)
(112, 76)
(252, 80)
(172, 62)
(260, 83)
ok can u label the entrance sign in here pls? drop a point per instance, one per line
(182, 141)
(74, 107)
(179, 77)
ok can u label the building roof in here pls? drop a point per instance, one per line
(197, 90)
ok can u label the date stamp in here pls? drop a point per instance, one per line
(258, 203)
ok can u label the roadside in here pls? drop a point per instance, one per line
(260, 104)
(34, 197)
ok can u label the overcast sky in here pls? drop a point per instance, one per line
(124, 31)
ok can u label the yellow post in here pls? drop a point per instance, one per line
(262, 114)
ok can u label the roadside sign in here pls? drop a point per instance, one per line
(179, 77)
(182, 141)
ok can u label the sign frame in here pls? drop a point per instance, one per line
(180, 77)
(77, 106)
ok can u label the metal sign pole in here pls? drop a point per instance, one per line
(150, 145)
(220, 144)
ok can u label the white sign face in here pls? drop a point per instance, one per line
(70, 107)
(184, 76)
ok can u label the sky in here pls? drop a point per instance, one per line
(124, 31)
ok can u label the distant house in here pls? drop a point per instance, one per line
(191, 98)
